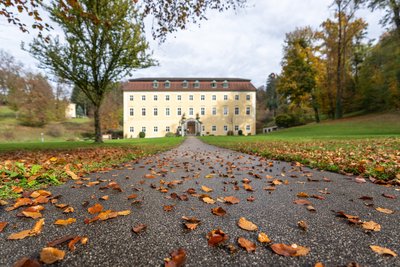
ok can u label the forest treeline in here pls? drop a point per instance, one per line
(334, 69)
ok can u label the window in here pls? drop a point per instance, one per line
(144, 129)
(179, 111)
(155, 84)
(131, 112)
(155, 112)
(131, 129)
(226, 111)
(237, 111)
(247, 97)
(167, 84)
(191, 111)
(179, 97)
(155, 129)
(248, 128)
(167, 112)
(236, 97)
(247, 110)
(143, 98)
(214, 111)
(167, 129)
(143, 111)
(185, 84)
(214, 97)
(236, 127)
(225, 128)
(155, 98)
(131, 98)
(203, 111)
(202, 97)
(179, 128)
(214, 84)
(196, 84)
(214, 128)
(167, 97)
(225, 84)
(225, 97)
(191, 97)
(203, 128)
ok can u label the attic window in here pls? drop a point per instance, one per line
(155, 84)
(196, 84)
(225, 84)
(214, 84)
(185, 84)
(167, 84)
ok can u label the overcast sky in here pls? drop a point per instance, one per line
(245, 44)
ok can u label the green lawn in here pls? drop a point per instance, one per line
(368, 145)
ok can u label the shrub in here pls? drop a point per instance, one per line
(230, 133)
(248, 134)
(284, 120)
(88, 135)
(169, 134)
(142, 135)
(116, 134)
(56, 130)
(240, 132)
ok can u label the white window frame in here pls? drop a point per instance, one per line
(144, 129)
(214, 84)
(214, 97)
(225, 128)
(236, 128)
(155, 84)
(143, 112)
(226, 111)
(155, 129)
(237, 111)
(155, 97)
(202, 111)
(196, 84)
(185, 84)
(131, 129)
(191, 97)
(214, 111)
(155, 111)
(143, 97)
(167, 112)
(225, 97)
(248, 128)
(202, 97)
(237, 97)
(191, 111)
(179, 97)
(225, 84)
(248, 97)
(131, 112)
(214, 128)
(179, 111)
(131, 98)
(167, 129)
(248, 110)
(167, 97)
(167, 84)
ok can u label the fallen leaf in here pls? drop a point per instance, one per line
(289, 251)
(366, 198)
(311, 208)
(70, 173)
(123, 212)
(263, 238)
(302, 225)
(320, 264)
(208, 200)
(231, 200)
(177, 259)
(71, 244)
(133, 196)
(389, 196)
(302, 202)
(27, 262)
(50, 255)
(318, 197)
(149, 176)
(139, 228)
(247, 244)
(19, 203)
(206, 189)
(218, 211)
(37, 228)
(383, 251)
(372, 226)
(95, 209)
(360, 180)
(32, 214)
(216, 237)
(60, 240)
(209, 176)
(65, 222)
(251, 198)
(383, 210)
(248, 187)
(20, 235)
(61, 206)
(303, 194)
(106, 197)
(169, 207)
(191, 226)
(246, 225)
(2, 226)
(68, 210)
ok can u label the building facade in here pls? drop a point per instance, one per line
(189, 106)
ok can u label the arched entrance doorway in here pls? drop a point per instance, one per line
(192, 127)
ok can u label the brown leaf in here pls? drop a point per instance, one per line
(303, 194)
(251, 198)
(27, 262)
(383, 251)
(366, 198)
(50, 255)
(70, 173)
(318, 197)
(37, 228)
(208, 200)
(389, 196)
(65, 222)
(149, 176)
(68, 210)
(177, 259)
(133, 196)
(206, 189)
(95, 209)
(20, 235)
(32, 214)
(246, 225)
(191, 226)
(60, 240)
(2, 226)
(34, 208)
(71, 244)
(106, 197)
(263, 238)
(216, 237)
(289, 251)
(311, 208)
(139, 228)
(191, 219)
(372, 226)
(248, 187)
(302, 225)
(231, 200)
(19, 203)
(169, 207)
(247, 244)
(61, 206)
(383, 210)
(218, 211)
(302, 202)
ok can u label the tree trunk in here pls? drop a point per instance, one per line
(339, 89)
(396, 15)
(97, 126)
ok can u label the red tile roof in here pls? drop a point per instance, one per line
(146, 84)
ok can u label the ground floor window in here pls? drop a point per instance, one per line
(214, 128)
(155, 129)
(167, 129)
(203, 128)
(144, 129)
(236, 127)
(247, 127)
(131, 129)
(225, 128)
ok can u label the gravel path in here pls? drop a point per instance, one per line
(332, 240)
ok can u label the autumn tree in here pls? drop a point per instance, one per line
(298, 80)
(103, 42)
(272, 98)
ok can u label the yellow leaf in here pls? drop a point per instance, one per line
(32, 214)
(383, 210)
(206, 189)
(65, 222)
(208, 200)
(37, 228)
(70, 173)
(372, 226)
(247, 225)
(208, 176)
(50, 255)
(124, 212)
(303, 194)
(383, 251)
(19, 235)
(263, 238)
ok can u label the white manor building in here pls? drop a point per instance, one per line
(189, 106)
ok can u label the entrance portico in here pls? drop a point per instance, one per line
(191, 127)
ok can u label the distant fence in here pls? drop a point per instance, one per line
(270, 129)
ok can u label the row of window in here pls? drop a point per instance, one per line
(191, 111)
(191, 97)
(168, 129)
(185, 84)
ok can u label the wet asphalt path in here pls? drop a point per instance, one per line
(332, 240)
